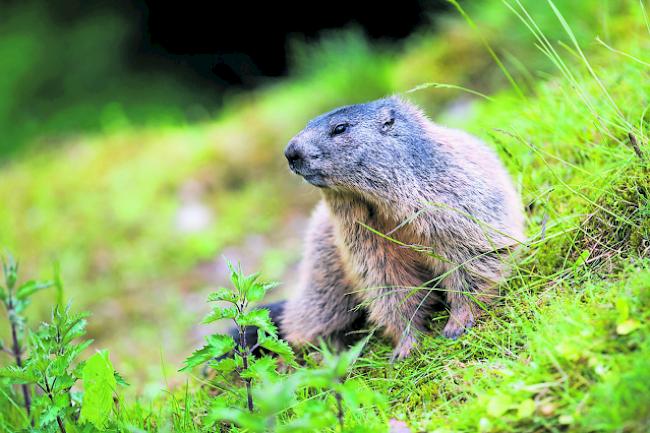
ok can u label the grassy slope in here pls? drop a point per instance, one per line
(549, 357)
(568, 346)
(556, 353)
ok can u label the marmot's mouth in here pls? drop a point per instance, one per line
(315, 179)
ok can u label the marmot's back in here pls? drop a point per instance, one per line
(487, 186)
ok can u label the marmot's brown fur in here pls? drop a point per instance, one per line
(410, 210)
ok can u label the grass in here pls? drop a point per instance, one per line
(566, 347)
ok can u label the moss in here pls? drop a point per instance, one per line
(619, 225)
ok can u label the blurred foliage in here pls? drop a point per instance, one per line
(62, 77)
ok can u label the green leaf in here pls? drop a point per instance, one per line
(246, 282)
(498, 405)
(251, 422)
(348, 358)
(581, 260)
(627, 327)
(99, 385)
(18, 375)
(49, 416)
(276, 346)
(223, 294)
(219, 313)
(120, 380)
(248, 286)
(315, 416)
(31, 287)
(198, 357)
(314, 378)
(526, 409)
(226, 365)
(257, 291)
(623, 308)
(63, 382)
(10, 269)
(218, 345)
(74, 327)
(259, 318)
(260, 368)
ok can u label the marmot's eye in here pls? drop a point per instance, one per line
(340, 128)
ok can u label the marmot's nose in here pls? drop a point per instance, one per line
(294, 155)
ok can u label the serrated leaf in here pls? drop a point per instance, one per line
(74, 327)
(223, 294)
(99, 385)
(78, 370)
(226, 365)
(219, 313)
(260, 368)
(49, 416)
(72, 351)
(31, 287)
(58, 366)
(257, 291)
(18, 375)
(246, 282)
(198, 357)
(218, 345)
(259, 318)
(63, 382)
(276, 346)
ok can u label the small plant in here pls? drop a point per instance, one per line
(246, 290)
(15, 300)
(331, 378)
(303, 399)
(309, 399)
(53, 366)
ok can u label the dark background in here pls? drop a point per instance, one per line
(237, 43)
(75, 66)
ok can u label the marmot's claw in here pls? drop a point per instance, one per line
(456, 327)
(403, 348)
(453, 331)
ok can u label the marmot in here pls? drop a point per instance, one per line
(409, 210)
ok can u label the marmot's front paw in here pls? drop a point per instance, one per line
(458, 324)
(403, 348)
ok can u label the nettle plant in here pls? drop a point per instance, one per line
(15, 300)
(51, 368)
(246, 290)
(257, 392)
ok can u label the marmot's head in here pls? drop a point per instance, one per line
(365, 148)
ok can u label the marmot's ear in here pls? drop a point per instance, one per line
(387, 119)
